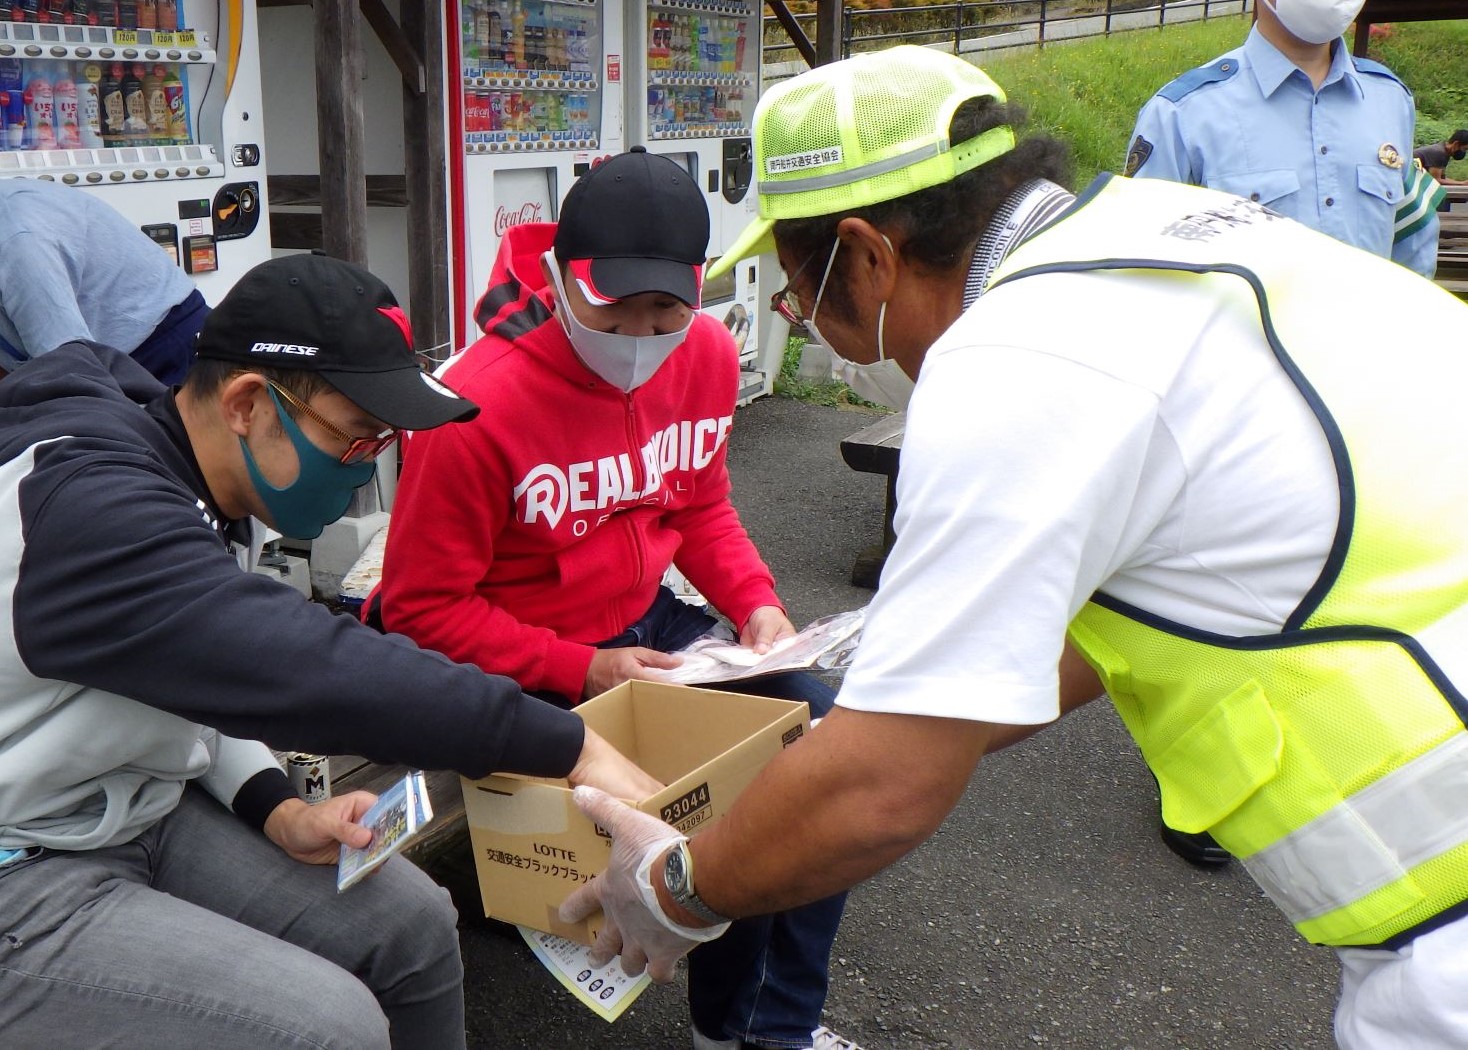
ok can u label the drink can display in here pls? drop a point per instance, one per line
(310, 776)
(514, 111)
(496, 111)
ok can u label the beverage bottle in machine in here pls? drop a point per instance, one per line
(135, 106)
(160, 130)
(82, 13)
(739, 47)
(517, 28)
(168, 14)
(63, 94)
(25, 10)
(178, 110)
(40, 109)
(12, 105)
(147, 14)
(53, 11)
(494, 40)
(114, 113)
(127, 14)
(89, 110)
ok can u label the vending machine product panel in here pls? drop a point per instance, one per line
(154, 106)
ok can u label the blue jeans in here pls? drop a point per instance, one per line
(765, 980)
(200, 932)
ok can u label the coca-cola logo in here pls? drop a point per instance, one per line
(504, 218)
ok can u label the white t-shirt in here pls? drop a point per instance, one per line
(1127, 433)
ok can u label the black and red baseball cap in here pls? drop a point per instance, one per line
(634, 223)
(324, 315)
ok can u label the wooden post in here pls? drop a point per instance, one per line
(425, 166)
(340, 133)
(828, 31)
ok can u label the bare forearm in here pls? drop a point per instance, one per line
(863, 790)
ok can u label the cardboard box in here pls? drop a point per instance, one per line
(532, 846)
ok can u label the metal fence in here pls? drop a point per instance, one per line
(975, 25)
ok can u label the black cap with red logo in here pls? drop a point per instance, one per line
(320, 314)
(634, 223)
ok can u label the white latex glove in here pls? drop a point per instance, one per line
(636, 926)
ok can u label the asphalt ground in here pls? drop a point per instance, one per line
(1045, 912)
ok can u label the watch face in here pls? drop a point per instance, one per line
(673, 872)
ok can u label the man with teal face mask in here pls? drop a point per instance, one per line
(160, 883)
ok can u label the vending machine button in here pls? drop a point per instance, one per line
(196, 56)
(116, 176)
(152, 54)
(182, 173)
(48, 178)
(202, 169)
(58, 51)
(160, 173)
(83, 52)
(174, 56)
(105, 52)
(139, 173)
(94, 176)
(129, 52)
(70, 179)
(7, 49)
(33, 51)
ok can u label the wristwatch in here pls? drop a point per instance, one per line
(678, 881)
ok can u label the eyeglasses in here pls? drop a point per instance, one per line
(359, 449)
(785, 302)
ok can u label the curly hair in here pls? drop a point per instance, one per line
(940, 224)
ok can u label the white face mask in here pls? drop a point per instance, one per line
(883, 380)
(624, 361)
(1316, 21)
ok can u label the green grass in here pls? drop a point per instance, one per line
(1088, 93)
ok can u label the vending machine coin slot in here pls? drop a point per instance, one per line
(165, 235)
(246, 155)
(738, 168)
(236, 210)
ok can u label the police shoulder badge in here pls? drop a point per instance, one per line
(1388, 155)
(1137, 156)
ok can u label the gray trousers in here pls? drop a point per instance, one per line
(201, 933)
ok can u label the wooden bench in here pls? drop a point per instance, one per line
(875, 449)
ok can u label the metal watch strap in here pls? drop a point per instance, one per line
(683, 892)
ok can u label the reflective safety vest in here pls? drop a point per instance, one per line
(1330, 757)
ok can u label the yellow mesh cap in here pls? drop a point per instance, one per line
(860, 131)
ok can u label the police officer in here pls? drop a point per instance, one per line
(1293, 121)
(1153, 443)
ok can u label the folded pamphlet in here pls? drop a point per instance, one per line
(397, 817)
(606, 991)
(826, 644)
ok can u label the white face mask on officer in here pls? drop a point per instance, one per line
(883, 380)
(624, 361)
(1316, 21)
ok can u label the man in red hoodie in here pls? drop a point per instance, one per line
(533, 542)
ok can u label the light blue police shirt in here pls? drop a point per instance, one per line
(1251, 123)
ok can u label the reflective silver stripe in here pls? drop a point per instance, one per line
(850, 175)
(1370, 840)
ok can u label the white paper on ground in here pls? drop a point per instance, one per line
(605, 990)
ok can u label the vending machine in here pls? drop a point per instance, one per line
(154, 105)
(547, 87)
(692, 81)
